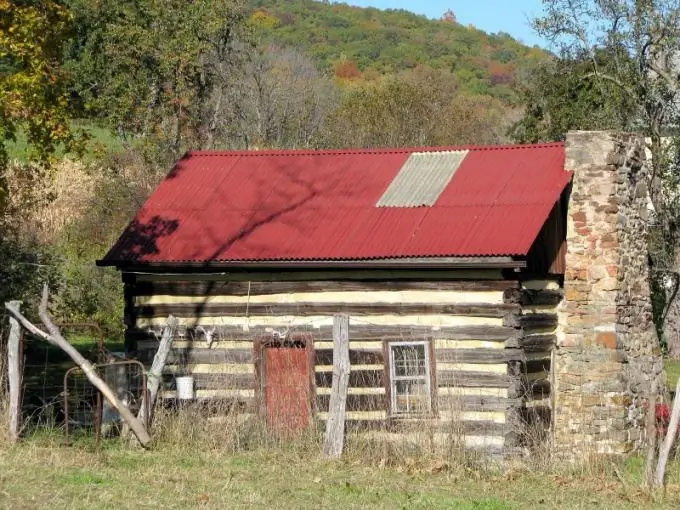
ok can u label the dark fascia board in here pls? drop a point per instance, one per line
(394, 263)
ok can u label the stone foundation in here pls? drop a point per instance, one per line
(608, 351)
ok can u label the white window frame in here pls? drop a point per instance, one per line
(427, 377)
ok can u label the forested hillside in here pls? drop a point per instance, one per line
(354, 41)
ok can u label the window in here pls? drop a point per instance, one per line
(410, 380)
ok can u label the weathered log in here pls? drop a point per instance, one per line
(190, 310)
(369, 402)
(538, 343)
(513, 415)
(244, 288)
(334, 437)
(357, 332)
(526, 297)
(478, 356)
(476, 403)
(198, 355)
(153, 378)
(538, 389)
(531, 321)
(459, 378)
(356, 356)
(538, 365)
(357, 379)
(671, 436)
(55, 338)
(14, 373)
(215, 381)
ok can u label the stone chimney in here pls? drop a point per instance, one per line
(607, 350)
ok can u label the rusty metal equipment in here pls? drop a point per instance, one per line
(129, 382)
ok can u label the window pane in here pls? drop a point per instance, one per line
(411, 397)
(409, 360)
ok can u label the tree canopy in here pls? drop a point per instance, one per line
(33, 93)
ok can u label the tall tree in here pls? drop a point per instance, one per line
(33, 97)
(280, 99)
(621, 57)
(414, 109)
(155, 70)
(557, 98)
(33, 107)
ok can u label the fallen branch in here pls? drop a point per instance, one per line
(671, 435)
(54, 337)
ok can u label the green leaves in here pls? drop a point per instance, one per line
(566, 94)
(150, 69)
(33, 97)
(418, 109)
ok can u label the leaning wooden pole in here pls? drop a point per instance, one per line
(671, 435)
(54, 337)
(14, 374)
(334, 437)
(153, 380)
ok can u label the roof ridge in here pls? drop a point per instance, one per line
(376, 151)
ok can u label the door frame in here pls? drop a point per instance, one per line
(270, 341)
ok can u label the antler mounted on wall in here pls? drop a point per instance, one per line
(208, 334)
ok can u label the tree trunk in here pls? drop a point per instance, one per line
(671, 329)
(671, 319)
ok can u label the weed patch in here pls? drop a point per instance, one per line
(41, 473)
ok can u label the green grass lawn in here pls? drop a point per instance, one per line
(101, 139)
(43, 474)
(672, 372)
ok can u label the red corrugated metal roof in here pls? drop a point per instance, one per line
(302, 205)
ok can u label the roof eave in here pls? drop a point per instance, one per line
(491, 262)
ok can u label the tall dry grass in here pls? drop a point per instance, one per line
(230, 430)
(45, 202)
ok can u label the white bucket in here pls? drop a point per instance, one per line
(185, 387)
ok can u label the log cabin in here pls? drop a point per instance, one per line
(451, 264)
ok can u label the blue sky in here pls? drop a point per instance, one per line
(511, 16)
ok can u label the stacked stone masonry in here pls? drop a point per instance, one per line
(607, 351)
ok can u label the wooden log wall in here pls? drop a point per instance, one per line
(539, 300)
(472, 320)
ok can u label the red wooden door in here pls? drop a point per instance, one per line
(287, 389)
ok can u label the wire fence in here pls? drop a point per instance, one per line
(44, 390)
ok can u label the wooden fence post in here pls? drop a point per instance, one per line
(14, 373)
(334, 437)
(671, 436)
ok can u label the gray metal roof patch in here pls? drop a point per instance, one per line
(422, 179)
